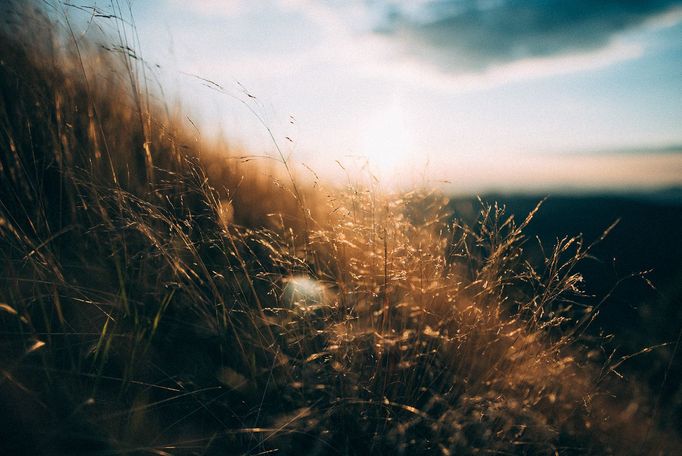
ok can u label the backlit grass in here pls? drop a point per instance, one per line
(158, 296)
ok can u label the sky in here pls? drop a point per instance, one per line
(470, 95)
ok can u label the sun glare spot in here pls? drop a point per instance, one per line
(387, 141)
(303, 294)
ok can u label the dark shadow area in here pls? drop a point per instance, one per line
(639, 310)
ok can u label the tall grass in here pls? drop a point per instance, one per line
(150, 307)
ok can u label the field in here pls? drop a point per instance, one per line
(161, 295)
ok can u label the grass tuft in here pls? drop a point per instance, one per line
(158, 296)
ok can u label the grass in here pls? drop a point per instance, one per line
(160, 298)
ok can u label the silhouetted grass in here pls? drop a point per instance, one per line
(149, 309)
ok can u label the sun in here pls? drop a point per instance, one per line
(386, 141)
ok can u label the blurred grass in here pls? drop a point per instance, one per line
(160, 296)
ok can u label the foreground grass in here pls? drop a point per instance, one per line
(146, 308)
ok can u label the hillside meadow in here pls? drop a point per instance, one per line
(165, 294)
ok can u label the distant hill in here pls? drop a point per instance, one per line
(647, 238)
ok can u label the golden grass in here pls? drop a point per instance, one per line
(150, 306)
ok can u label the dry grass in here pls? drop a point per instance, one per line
(149, 307)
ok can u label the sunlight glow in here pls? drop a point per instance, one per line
(387, 141)
(304, 294)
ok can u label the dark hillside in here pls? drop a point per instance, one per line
(160, 297)
(647, 238)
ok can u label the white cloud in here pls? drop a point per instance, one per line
(412, 70)
(222, 8)
(351, 45)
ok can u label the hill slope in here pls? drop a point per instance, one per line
(144, 311)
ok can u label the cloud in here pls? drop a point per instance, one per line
(453, 45)
(464, 36)
(411, 68)
(220, 8)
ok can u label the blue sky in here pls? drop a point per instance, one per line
(483, 95)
